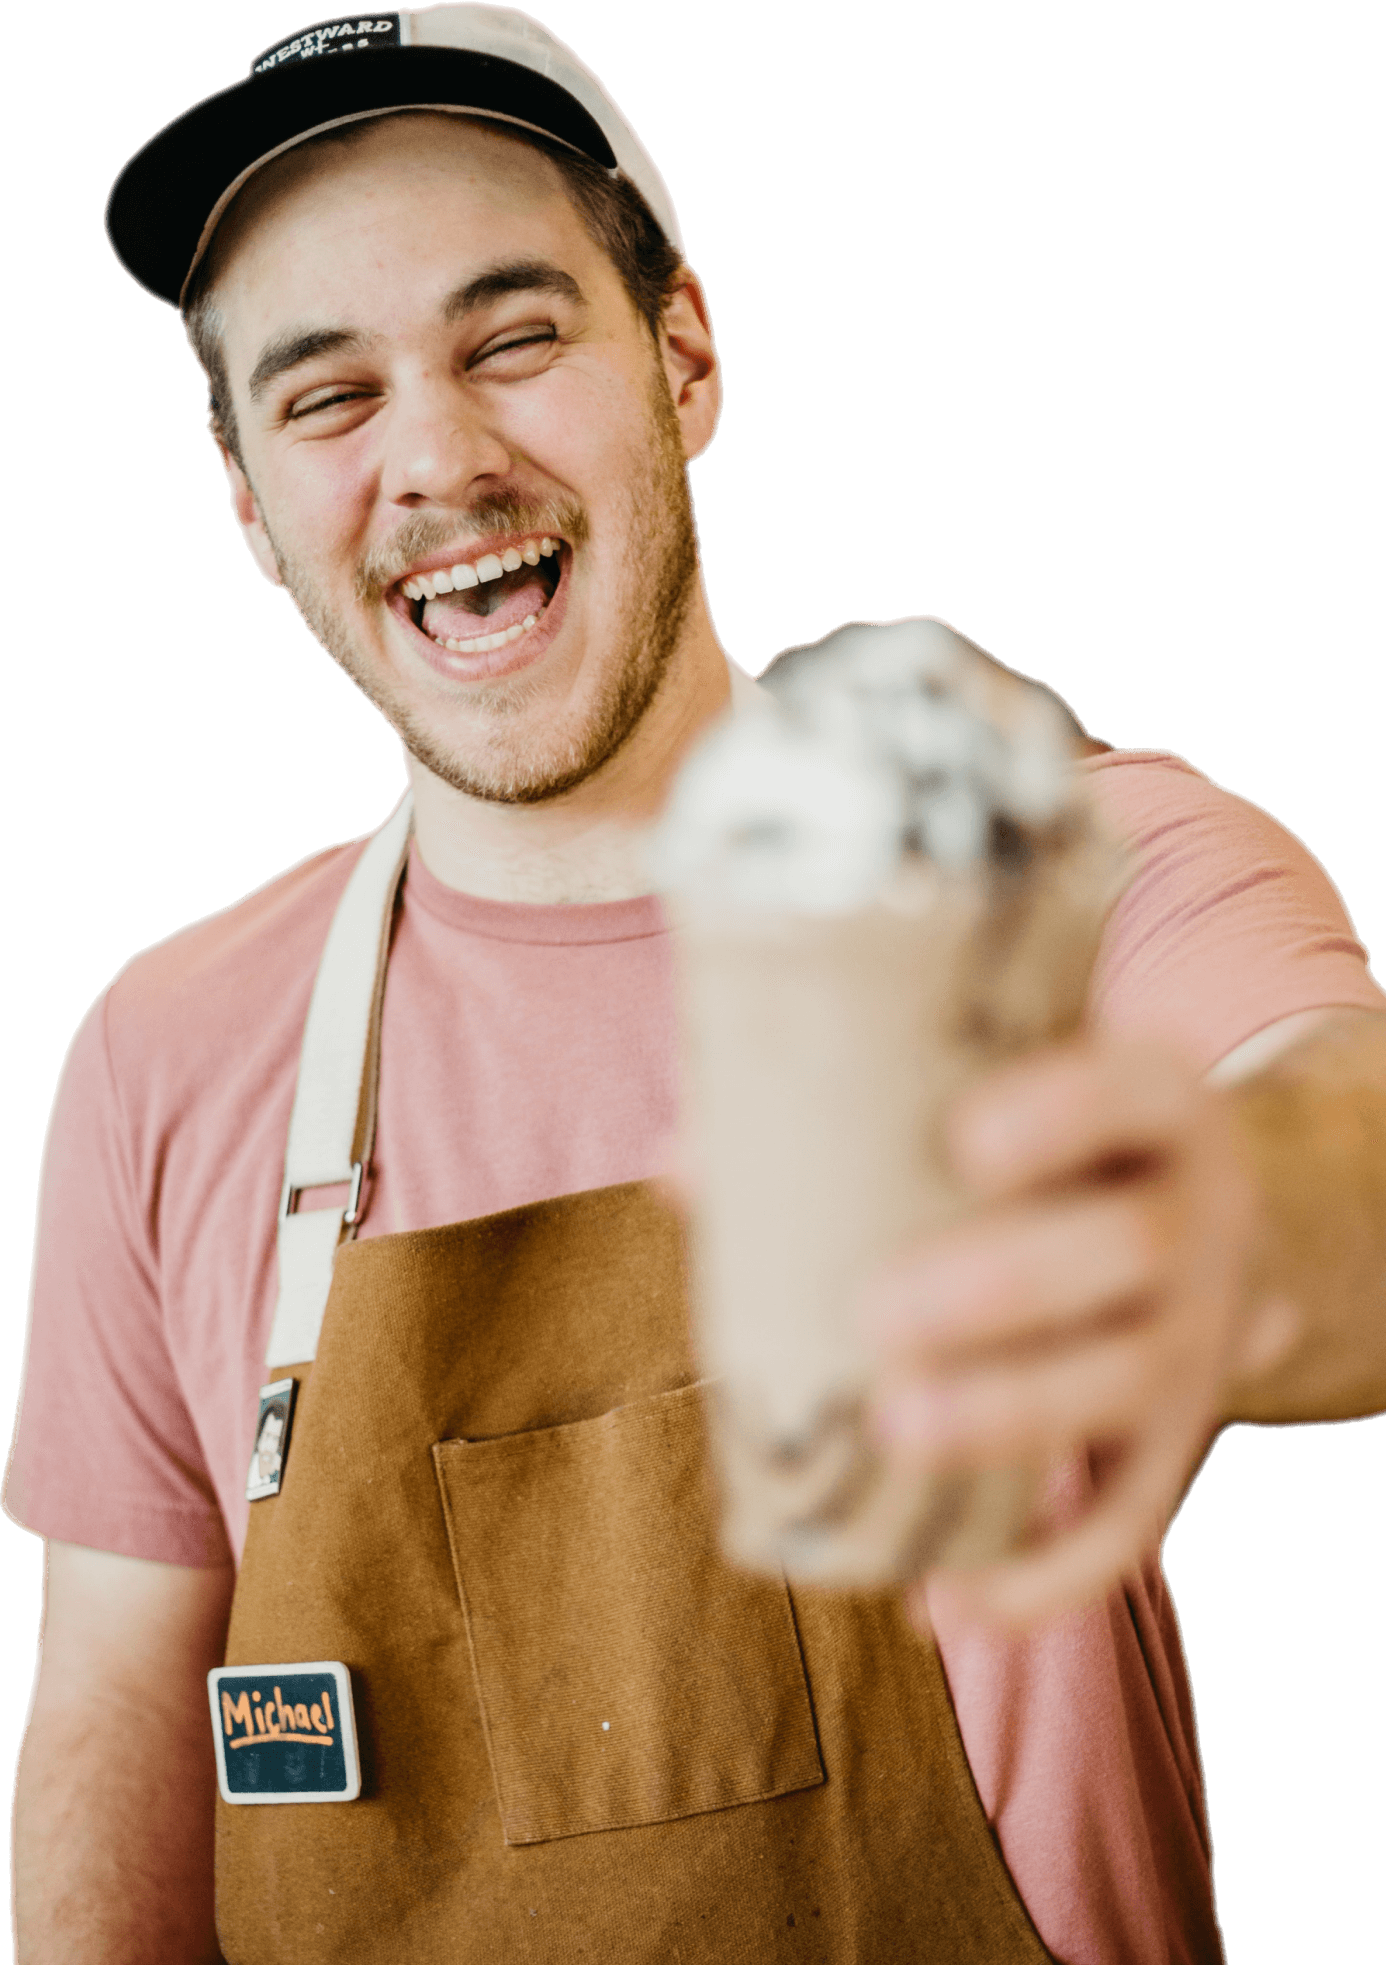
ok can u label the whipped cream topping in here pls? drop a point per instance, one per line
(879, 745)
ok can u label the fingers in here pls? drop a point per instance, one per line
(1029, 1274)
(1011, 1413)
(1027, 1330)
(1065, 1112)
(1095, 1303)
(1081, 1564)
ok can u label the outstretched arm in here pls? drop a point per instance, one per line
(113, 1811)
(1314, 1127)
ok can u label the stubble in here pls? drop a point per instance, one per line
(659, 572)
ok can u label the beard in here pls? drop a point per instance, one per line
(657, 577)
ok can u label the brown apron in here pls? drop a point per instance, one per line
(583, 1735)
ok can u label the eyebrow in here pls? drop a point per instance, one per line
(513, 276)
(297, 345)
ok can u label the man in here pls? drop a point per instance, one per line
(267, 1461)
(456, 371)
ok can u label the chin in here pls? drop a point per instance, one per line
(523, 745)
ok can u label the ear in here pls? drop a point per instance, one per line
(247, 509)
(690, 362)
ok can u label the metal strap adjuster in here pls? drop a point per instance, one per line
(352, 1214)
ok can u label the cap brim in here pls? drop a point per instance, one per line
(164, 197)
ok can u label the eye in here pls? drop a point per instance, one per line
(517, 352)
(331, 397)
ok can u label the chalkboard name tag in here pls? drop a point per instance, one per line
(284, 1733)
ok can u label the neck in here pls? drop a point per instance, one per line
(589, 843)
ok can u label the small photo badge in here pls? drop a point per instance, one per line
(272, 1424)
(284, 1733)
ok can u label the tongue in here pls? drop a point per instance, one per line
(487, 609)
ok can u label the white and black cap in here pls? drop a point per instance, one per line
(465, 60)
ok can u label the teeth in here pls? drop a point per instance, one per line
(483, 644)
(456, 579)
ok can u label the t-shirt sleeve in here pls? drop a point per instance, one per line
(106, 1453)
(1228, 923)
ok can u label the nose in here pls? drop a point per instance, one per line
(438, 445)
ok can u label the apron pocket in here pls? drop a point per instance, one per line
(626, 1672)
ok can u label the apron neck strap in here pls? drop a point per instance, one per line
(332, 1128)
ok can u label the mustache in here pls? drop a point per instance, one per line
(425, 533)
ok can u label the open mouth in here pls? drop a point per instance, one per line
(508, 591)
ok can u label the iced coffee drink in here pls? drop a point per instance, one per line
(886, 880)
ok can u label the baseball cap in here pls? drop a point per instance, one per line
(468, 60)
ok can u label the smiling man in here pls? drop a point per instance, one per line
(571, 477)
(518, 652)
(457, 367)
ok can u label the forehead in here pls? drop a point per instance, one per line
(385, 200)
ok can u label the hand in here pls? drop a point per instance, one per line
(1098, 1302)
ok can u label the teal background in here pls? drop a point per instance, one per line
(1063, 322)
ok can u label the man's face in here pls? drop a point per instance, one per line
(267, 1447)
(433, 368)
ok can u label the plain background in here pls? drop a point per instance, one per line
(1064, 323)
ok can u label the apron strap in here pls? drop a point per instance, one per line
(332, 1130)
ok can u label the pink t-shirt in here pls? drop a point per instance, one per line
(528, 1052)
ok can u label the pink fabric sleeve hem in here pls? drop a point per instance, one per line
(131, 1529)
(1352, 989)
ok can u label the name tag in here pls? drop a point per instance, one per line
(284, 1733)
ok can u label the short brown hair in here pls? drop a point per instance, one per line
(612, 210)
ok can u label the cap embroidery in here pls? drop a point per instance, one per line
(332, 37)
